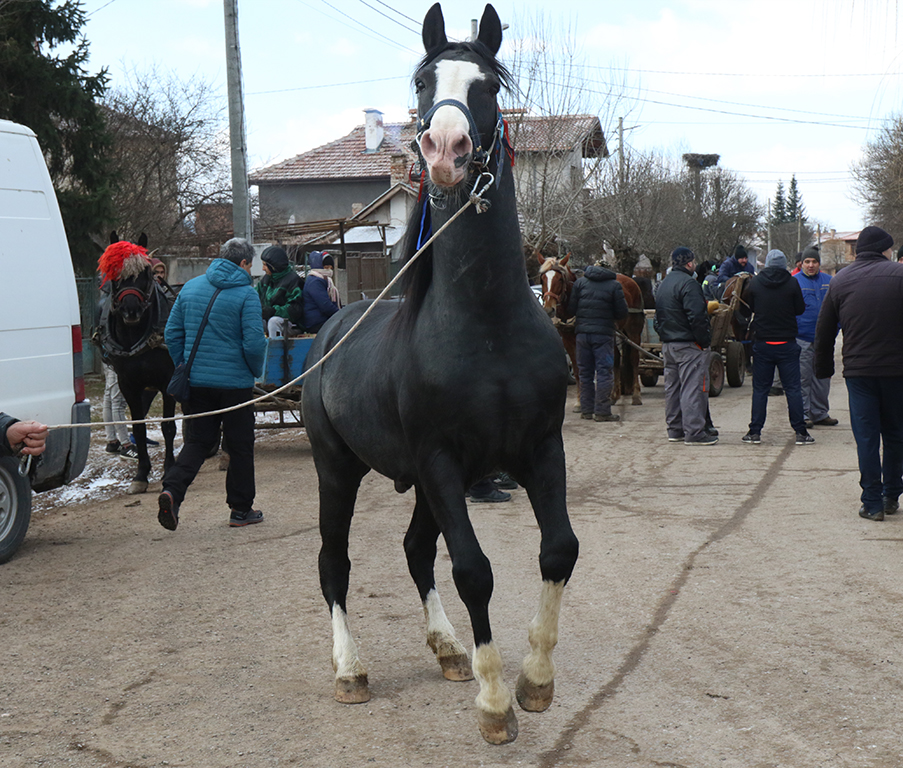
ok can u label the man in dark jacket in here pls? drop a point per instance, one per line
(734, 264)
(866, 298)
(682, 324)
(597, 301)
(280, 292)
(775, 300)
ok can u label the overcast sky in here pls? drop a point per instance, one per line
(775, 87)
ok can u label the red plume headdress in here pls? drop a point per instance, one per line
(121, 260)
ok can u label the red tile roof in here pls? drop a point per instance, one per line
(345, 158)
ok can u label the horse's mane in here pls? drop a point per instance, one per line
(122, 260)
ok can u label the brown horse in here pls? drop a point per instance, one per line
(557, 281)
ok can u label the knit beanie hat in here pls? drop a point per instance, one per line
(776, 259)
(873, 240)
(812, 252)
(740, 252)
(681, 256)
(276, 257)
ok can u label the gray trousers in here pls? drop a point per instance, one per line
(686, 388)
(815, 391)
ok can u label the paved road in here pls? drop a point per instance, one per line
(729, 608)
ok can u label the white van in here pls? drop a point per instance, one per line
(40, 332)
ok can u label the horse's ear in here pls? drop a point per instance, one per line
(565, 260)
(114, 238)
(142, 240)
(539, 257)
(434, 29)
(490, 30)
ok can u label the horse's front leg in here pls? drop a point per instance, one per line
(545, 486)
(135, 399)
(169, 430)
(420, 549)
(444, 490)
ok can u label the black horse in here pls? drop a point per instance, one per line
(131, 337)
(463, 378)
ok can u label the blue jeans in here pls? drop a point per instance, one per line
(876, 414)
(786, 358)
(595, 359)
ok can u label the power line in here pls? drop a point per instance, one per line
(328, 85)
(756, 75)
(368, 29)
(395, 21)
(394, 10)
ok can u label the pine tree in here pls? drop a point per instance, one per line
(779, 206)
(794, 207)
(54, 96)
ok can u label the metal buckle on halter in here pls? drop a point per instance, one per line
(476, 198)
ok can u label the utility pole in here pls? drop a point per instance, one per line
(241, 205)
(620, 154)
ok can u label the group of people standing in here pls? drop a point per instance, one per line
(795, 320)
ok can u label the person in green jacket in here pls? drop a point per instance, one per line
(280, 293)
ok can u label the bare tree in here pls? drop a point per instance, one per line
(171, 154)
(878, 178)
(559, 123)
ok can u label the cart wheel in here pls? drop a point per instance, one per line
(716, 374)
(649, 379)
(736, 364)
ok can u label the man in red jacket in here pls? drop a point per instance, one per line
(866, 299)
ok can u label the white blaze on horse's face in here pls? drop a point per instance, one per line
(448, 137)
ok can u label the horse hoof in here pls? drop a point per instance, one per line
(498, 729)
(577, 409)
(637, 401)
(456, 668)
(352, 690)
(532, 697)
(138, 486)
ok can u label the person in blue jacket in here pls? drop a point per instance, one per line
(321, 298)
(734, 264)
(229, 358)
(814, 284)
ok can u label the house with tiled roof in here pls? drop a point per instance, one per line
(338, 179)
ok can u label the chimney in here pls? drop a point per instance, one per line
(373, 130)
(399, 172)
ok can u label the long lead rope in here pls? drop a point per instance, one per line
(475, 199)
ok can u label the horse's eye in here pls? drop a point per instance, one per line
(419, 85)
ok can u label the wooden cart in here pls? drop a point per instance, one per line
(284, 362)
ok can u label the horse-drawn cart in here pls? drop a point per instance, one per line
(727, 357)
(284, 362)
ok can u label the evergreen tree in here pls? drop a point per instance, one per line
(779, 206)
(54, 96)
(794, 207)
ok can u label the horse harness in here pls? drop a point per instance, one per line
(153, 300)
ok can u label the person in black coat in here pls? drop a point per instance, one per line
(775, 300)
(866, 299)
(597, 301)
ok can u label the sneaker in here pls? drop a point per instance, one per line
(675, 438)
(703, 440)
(586, 415)
(128, 451)
(809, 424)
(826, 422)
(168, 515)
(891, 506)
(804, 438)
(711, 431)
(878, 516)
(113, 446)
(751, 437)
(775, 391)
(493, 497)
(606, 417)
(505, 482)
(238, 519)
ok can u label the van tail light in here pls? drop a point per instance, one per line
(78, 370)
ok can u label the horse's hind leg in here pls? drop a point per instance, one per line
(558, 553)
(420, 548)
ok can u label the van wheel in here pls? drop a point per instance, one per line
(15, 507)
